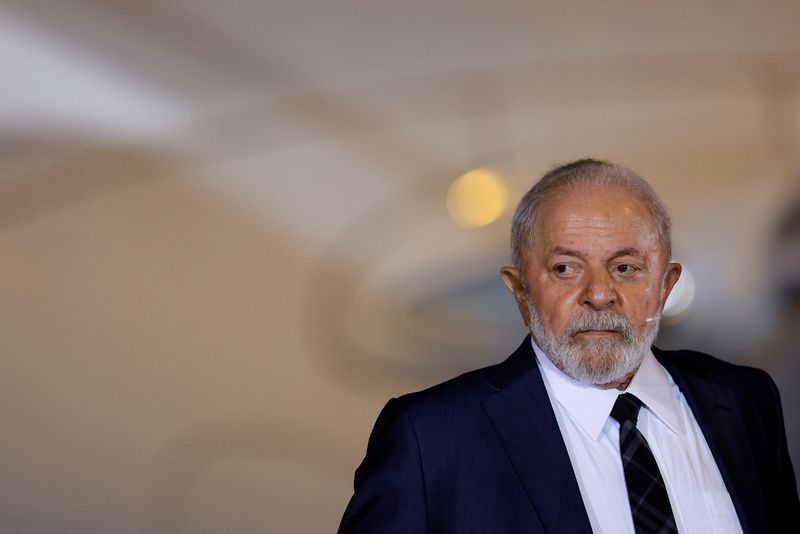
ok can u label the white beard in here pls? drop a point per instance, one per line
(594, 362)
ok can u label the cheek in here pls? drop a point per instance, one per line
(642, 305)
(555, 306)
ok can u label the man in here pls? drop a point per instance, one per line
(584, 428)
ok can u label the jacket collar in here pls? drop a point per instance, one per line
(522, 416)
(716, 410)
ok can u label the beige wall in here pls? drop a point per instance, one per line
(223, 241)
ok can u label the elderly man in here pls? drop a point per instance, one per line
(585, 428)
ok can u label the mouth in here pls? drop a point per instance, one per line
(597, 333)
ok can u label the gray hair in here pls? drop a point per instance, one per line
(584, 172)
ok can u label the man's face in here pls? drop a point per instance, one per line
(596, 283)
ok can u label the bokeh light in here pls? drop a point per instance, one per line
(477, 198)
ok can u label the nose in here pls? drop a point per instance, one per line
(599, 292)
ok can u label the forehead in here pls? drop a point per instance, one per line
(596, 219)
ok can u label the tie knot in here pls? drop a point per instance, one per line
(626, 408)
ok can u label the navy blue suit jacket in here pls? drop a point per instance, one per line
(483, 452)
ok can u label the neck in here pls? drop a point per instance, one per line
(620, 384)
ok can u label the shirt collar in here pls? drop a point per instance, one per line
(659, 393)
(590, 407)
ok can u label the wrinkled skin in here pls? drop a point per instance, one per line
(595, 249)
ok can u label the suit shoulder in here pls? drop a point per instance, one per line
(458, 402)
(474, 385)
(741, 378)
(458, 390)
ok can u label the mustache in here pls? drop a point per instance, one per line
(599, 320)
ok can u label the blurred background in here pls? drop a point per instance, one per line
(230, 232)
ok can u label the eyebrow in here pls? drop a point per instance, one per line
(627, 252)
(561, 251)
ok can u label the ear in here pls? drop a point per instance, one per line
(513, 281)
(670, 279)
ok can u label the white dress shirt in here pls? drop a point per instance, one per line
(697, 493)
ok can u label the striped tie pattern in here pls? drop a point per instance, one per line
(650, 507)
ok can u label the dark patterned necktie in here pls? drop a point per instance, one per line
(647, 494)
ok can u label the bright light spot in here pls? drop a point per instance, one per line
(477, 198)
(681, 297)
(41, 77)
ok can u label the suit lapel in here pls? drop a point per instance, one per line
(715, 409)
(523, 418)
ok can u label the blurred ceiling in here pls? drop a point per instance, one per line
(332, 116)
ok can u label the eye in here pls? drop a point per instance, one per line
(626, 268)
(562, 268)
